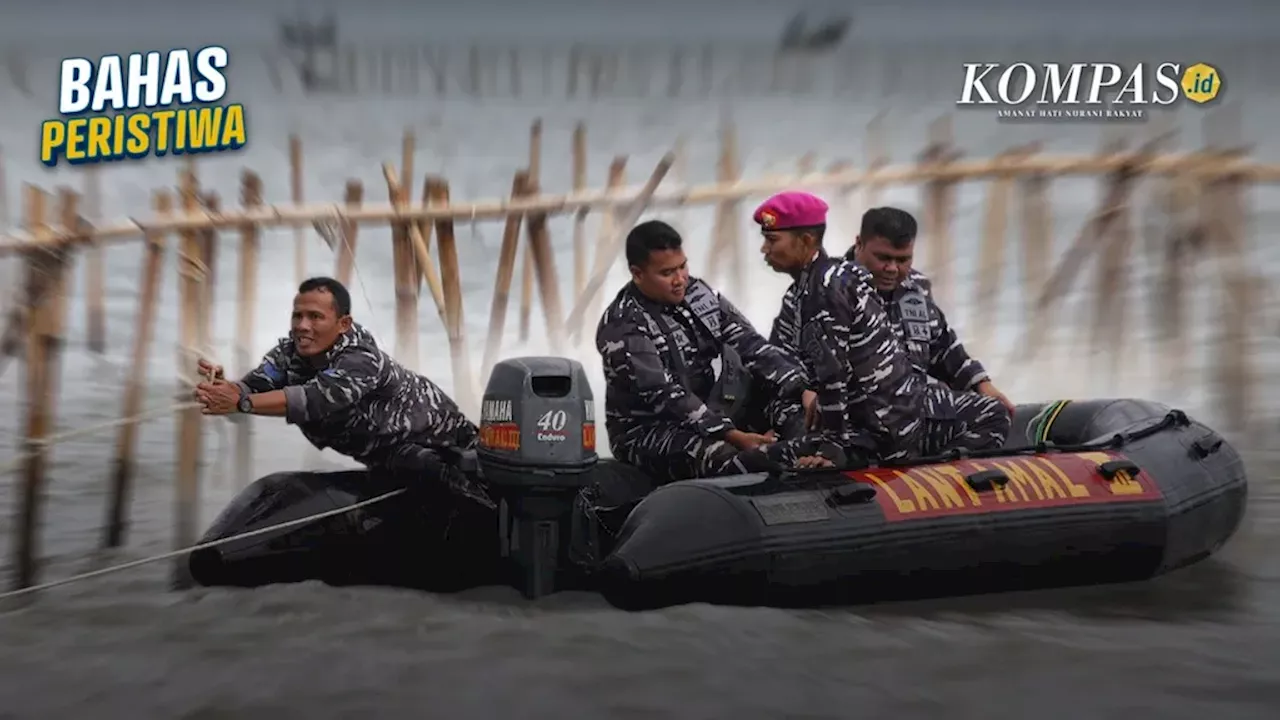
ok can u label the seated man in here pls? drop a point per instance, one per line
(331, 380)
(869, 396)
(658, 340)
(964, 410)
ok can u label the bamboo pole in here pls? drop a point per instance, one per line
(190, 281)
(1119, 185)
(1111, 301)
(127, 441)
(579, 218)
(209, 256)
(46, 276)
(304, 215)
(726, 231)
(993, 251)
(95, 302)
(939, 201)
(1037, 248)
(611, 249)
(425, 267)
(506, 272)
(876, 150)
(346, 260)
(547, 278)
(1174, 251)
(250, 197)
(450, 276)
(296, 192)
(608, 225)
(1234, 373)
(527, 279)
(406, 276)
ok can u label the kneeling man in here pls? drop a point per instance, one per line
(658, 340)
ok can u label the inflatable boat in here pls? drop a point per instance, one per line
(1084, 492)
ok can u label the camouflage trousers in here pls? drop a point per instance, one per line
(421, 464)
(764, 411)
(979, 423)
(669, 452)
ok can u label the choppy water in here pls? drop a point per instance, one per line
(1202, 641)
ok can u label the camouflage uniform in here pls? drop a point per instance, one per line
(359, 401)
(868, 393)
(659, 374)
(956, 417)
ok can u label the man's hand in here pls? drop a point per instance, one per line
(218, 397)
(987, 388)
(813, 461)
(210, 370)
(748, 441)
(809, 400)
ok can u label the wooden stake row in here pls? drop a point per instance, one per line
(1199, 165)
(1018, 174)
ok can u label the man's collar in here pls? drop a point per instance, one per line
(819, 254)
(649, 302)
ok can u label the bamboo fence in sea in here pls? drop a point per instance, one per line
(1213, 181)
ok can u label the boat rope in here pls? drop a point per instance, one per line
(201, 546)
(1045, 419)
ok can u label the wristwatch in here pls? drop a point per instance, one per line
(244, 406)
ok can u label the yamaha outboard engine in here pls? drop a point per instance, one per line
(537, 450)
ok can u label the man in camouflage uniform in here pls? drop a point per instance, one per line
(963, 409)
(658, 340)
(868, 393)
(332, 380)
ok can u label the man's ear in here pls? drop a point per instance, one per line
(344, 323)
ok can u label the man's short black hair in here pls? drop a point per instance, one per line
(896, 226)
(649, 237)
(341, 298)
(817, 231)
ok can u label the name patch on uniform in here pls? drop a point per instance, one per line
(915, 315)
(1037, 481)
(702, 301)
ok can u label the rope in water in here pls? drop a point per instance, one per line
(201, 546)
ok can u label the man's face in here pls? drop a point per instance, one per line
(664, 276)
(787, 250)
(888, 264)
(316, 325)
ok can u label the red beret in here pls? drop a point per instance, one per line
(791, 210)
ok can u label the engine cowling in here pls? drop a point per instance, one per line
(537, 449)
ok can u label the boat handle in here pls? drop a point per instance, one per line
(984, 480)
(1111, 468)
(1206, 445)
(851, 493)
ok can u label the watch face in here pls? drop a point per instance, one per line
(244, 406)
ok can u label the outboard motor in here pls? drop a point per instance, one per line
(537, 450)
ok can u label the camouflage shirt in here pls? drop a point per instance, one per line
(659, 359)
(931, 342)
(359, 401)
(869, 395)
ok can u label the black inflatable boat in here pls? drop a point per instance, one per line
(1084, 492)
